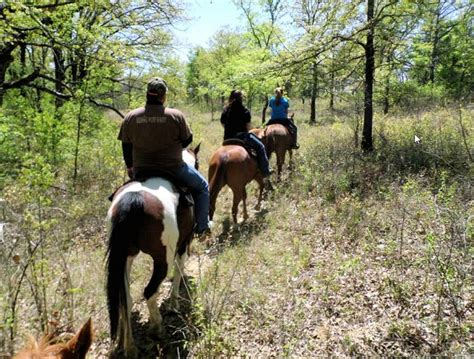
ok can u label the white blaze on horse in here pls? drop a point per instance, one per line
(146, 216)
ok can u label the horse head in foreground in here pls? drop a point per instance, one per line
(233, 166)
(146, 216)
(277, 138)
(75, 348)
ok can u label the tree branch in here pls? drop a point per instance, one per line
(110, 107)
(23, 81)
(52, 92)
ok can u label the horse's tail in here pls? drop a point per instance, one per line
(216, 181)
(127, 218)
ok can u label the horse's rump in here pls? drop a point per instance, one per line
(276, 136)
(230, 165)
(161, 200)
(243, 143)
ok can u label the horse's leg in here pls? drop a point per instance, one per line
(216, 183)
(212, 200)
(160, 268)
(178, 274)
(280, 160)
(261, 185)
(290, 152)
(244, 199)
(125, 326)
(235, 204)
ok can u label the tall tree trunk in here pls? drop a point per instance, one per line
(314, 91)
(386, 99)
(59, 75)
(434, 51)
(331, 95)
(212, 108)
(6, 59)
(386, 96)
(367, 143)
(264, 110)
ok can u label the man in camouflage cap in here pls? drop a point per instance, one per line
(153, 138)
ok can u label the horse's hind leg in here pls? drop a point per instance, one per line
(213, 193)
(280, 162)
(290, 166)
(178, 275)
(261, 185)
(235, 203)
(125, 336)
(244, 199)
(151, 291)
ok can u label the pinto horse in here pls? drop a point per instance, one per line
(145, 216)
(75, 348)
(278, 139)
(232, 165)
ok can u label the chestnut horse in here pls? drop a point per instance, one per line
(232, 165)
(278, 139)
(75, 348)
(145, 217)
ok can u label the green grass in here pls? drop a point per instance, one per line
(351, 255)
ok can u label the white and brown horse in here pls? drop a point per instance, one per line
(145, 217)
(231, 165)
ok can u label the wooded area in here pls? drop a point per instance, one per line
(363, 75)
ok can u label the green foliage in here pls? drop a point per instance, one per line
(231, 62)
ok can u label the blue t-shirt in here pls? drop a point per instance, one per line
(280, 110)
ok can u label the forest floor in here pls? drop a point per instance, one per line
(350, 255)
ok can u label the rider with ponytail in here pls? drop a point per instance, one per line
(236, 121)
(279, 114)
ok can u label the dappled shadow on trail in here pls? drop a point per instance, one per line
(241, 233)
(178, 328)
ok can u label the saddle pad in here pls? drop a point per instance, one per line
(185, 197)
(242, 143)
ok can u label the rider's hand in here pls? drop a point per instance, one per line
(130, 172)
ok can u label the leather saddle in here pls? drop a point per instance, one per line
(238, 142)
(185, 197)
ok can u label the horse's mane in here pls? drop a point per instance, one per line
(39, 349)
(46, 347)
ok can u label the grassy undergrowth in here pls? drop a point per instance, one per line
(355, 254)
(351, 255)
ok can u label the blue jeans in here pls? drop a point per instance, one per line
(197, 185)
(254, 142)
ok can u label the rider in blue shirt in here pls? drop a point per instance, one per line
(279, 106)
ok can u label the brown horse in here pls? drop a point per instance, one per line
(75, 348)
(145, 216)
(278, 139)
(232, 165)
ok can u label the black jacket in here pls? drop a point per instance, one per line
(235, 119)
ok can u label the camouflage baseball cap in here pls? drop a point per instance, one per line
(157, 86)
